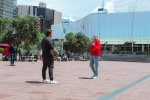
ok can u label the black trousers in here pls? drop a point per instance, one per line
(50, 65)
(12, 60)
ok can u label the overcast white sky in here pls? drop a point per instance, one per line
(75, 9)
(69, 8)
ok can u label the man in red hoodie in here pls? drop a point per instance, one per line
(95, 54)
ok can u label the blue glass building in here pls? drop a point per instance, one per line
(127, 32)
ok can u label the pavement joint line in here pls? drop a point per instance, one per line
(110, 95)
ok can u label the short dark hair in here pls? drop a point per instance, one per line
(48, 32)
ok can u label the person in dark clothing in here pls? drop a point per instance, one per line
(68, 54)
(12, 51)
(47, 56)
(20, 55)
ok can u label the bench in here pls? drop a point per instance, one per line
(28, 58)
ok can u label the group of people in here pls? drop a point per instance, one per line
(48, 58)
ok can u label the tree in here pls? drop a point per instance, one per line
(4, 24)
(26, 31)
(70, 42)
(82, 43)
(77, 43)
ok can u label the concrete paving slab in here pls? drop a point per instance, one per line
(24, 81)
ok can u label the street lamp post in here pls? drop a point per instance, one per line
(105, 46)
(62, 36)
(132, 7)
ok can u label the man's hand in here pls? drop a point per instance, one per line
(57, 53)
(93, 44)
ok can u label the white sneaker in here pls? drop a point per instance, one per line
(94, 77)
(46, 81)
(53, 82)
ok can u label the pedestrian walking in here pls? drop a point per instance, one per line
(12, 51)
(47, 56)
(95, 54)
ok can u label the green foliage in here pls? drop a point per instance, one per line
(41, 36)
(26, 31)
(5, 23)
(77, 43)
(1, 50)
(82, 43)
(8, 37)
(70, 42)
(28, 47)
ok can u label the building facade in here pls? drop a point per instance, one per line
(131, 5)
(119, 32)
(47, 17)
(24, 10)
(8, 8)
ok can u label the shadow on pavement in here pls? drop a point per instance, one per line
(7, 65)
(85, 78)
(34, 82)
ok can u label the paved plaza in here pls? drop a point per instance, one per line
(116, 81)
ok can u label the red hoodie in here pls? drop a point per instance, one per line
(96, 48)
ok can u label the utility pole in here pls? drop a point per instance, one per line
(103, 4)
(133, 7)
